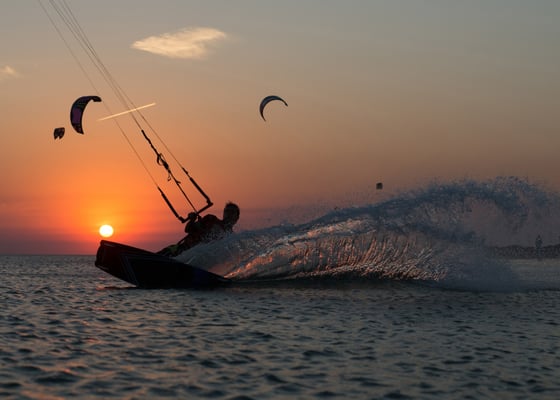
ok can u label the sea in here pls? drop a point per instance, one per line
(394, 300)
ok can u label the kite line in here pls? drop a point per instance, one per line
(63, 16)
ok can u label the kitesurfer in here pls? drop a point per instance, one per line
(204, 229)
(538, 246)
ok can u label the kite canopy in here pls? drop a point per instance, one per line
(77, 111)
(267, 100)
(58, 133)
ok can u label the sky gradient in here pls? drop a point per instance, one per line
(403, 92)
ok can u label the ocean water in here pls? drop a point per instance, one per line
(390, 301)
(68, 330)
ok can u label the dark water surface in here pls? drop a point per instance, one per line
(67, 330)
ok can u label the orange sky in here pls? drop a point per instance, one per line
(399, 92)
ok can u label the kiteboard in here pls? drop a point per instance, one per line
(148, 270)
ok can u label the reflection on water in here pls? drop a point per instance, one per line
(71, 331)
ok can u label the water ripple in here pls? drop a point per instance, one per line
(380, 340)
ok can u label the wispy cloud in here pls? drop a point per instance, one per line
(194, 43)
(7, 72)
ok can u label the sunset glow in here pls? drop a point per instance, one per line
(106, 231)
(420, 92)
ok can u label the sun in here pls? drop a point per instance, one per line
(106, 231)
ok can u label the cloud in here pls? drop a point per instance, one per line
(7, 72)
(193, 43)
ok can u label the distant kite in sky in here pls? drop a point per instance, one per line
(379, 185)
(267, 100)
(58, 133)
(77, 111)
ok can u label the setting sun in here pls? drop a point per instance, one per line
(106, 231)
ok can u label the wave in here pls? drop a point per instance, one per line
(439, 235)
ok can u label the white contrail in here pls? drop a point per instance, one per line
(127, 111)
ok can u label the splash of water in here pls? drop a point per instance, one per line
(438, 234)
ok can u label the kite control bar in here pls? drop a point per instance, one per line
(161, 161)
